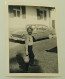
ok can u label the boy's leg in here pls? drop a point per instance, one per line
(31, 54)
(27, 66)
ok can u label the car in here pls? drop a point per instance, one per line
(39, 32)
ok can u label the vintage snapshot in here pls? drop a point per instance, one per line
(32, 40)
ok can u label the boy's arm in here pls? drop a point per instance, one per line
(34, 40)
(26, 49)
(26, 45)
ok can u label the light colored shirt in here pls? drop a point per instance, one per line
(29, 40)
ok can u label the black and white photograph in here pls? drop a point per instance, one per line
(32, 39)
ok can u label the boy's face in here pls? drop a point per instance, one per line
(29, 31)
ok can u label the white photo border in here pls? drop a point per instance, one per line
(7, 41)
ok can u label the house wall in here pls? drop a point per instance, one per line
(19, 23)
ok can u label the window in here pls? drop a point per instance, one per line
(23, 11)
(10, 9)
(11, 12)
(45, 14)
(39, 14)
(18, 13)
(14, 11)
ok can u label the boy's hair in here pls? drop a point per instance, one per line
(30, 27)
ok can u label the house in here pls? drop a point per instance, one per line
(20, 17)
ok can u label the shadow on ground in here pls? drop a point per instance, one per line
(52, 50)
(17, 65)
(23, 42)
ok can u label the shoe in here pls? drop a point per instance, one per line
(33, 64)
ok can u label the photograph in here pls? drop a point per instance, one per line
(32, 40)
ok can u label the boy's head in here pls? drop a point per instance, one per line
(30, 30)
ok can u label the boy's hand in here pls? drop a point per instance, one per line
(26, 53)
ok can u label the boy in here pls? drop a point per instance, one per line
(29, 52)
(29, 45)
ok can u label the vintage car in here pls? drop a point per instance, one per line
(39, 32)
